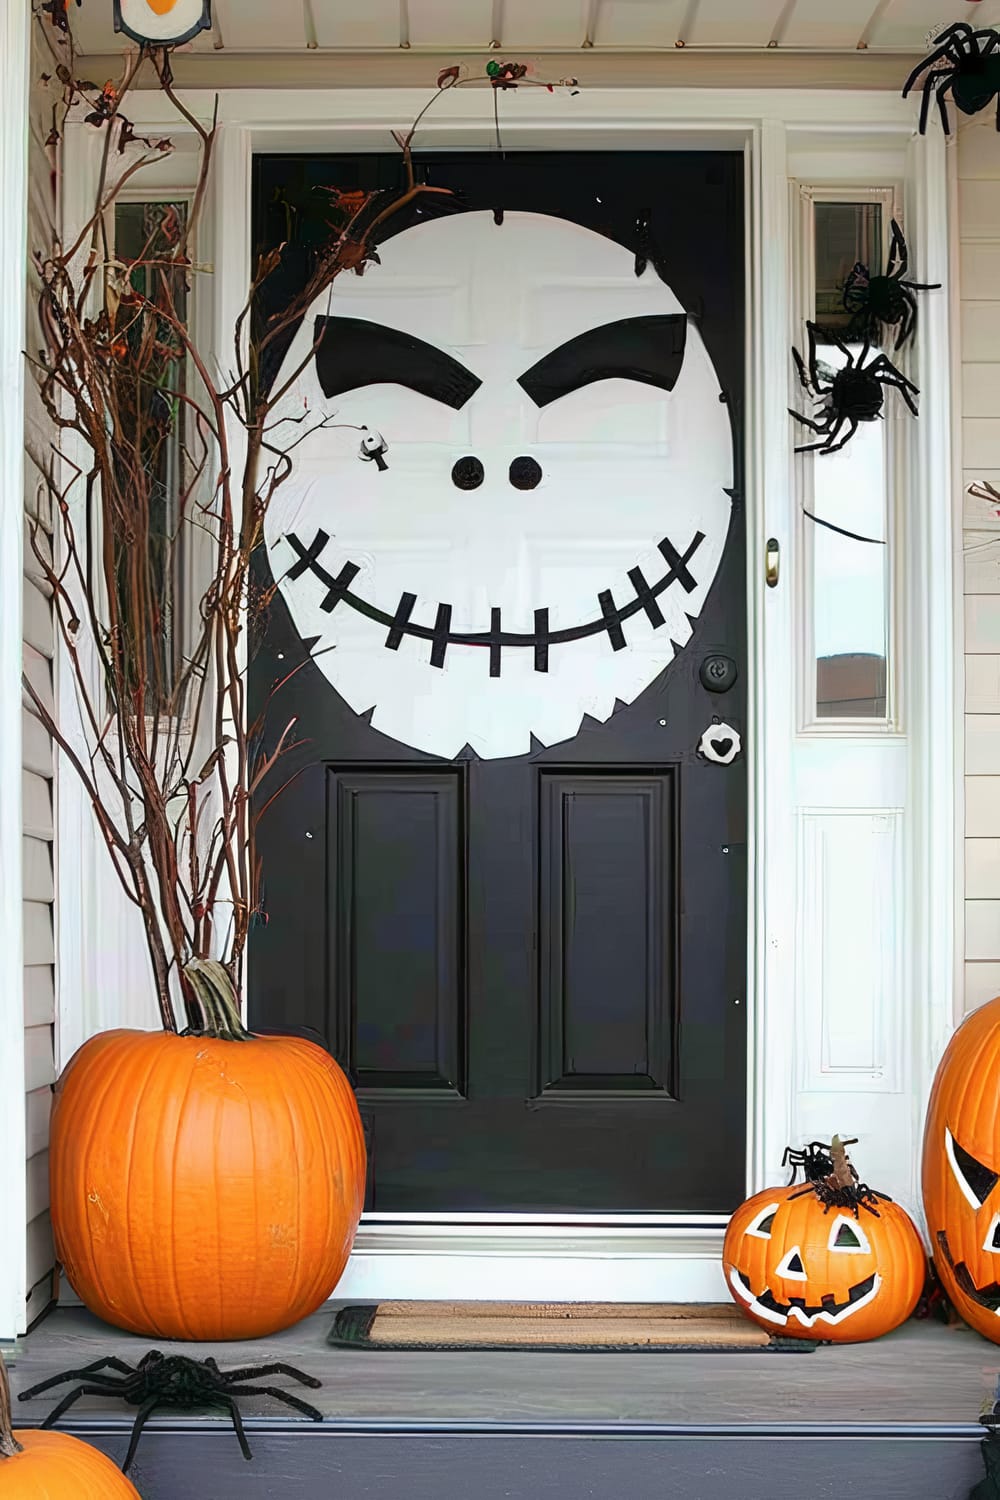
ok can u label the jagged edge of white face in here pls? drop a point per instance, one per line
(746, 1296)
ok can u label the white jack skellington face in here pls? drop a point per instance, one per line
(552, 504)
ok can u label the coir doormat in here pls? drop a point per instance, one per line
(569, 1327)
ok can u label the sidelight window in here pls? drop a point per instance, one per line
(846, 496)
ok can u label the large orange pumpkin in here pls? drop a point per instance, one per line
(825, 1261)
(961, 1170)
(53, 1465)
(204, 1188)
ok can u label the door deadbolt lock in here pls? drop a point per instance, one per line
(718, 673)
(772, 561)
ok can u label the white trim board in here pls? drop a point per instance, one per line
(15, 23)
(551, 1265)
(782, 132)
(327, 116)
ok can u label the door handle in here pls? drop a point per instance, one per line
(772, 561)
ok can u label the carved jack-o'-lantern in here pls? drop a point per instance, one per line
(830, 1260)
(961, 1170)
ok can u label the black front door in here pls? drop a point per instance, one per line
(519, 921)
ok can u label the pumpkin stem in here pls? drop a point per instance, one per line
(843, 1174)
(9, 1445)
(213, 993)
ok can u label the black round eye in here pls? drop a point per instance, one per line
(525, 473)
(468, 473)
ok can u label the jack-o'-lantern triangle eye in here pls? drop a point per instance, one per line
(846, 1235)
(975, 1180)
(764, 1222)
(992, 1241)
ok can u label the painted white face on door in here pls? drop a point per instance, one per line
(553, 504)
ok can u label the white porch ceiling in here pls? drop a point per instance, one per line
(296, 26)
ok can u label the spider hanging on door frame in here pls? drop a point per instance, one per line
(965, 63)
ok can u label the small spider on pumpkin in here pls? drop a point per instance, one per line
(887, 301)
(965, 63)
(830, 1174)
(173, 1380)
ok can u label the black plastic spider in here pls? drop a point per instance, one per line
(831, 1176)
(814, 1160)
(173, 1380)
(886, 301)
(853, 394)
(965, 63)
(853, 1197)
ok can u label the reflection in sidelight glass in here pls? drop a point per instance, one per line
(848, 489)
(845, 234)
(142, 231)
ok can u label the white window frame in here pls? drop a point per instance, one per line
(806, 195)
(783, 134)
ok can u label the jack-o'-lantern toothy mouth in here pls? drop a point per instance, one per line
(766, 1305)
(986, 1296)
(609, 621)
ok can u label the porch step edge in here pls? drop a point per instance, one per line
(333, 1427)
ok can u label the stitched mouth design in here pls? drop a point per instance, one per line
(612, 617)
(986, 1296)
(797, 1309)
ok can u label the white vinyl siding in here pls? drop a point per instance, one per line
(979, 235)
(38, 763)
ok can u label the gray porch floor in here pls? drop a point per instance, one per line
(924, 1375)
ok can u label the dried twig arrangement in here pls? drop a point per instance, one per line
(164, 751)
(167, 758)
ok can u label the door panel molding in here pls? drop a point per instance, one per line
(362, 804)
(639, 892)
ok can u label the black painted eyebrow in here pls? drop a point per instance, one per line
(352, 352)
(648, 349)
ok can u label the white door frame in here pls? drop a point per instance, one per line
(535, 1255)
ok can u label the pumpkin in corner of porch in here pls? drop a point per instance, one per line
(829, 1259)
(37, 1465)
(204, 1186)
(961, 1170)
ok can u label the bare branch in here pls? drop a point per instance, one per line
(170, 765)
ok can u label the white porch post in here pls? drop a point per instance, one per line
(15, 22)
(936, 603)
